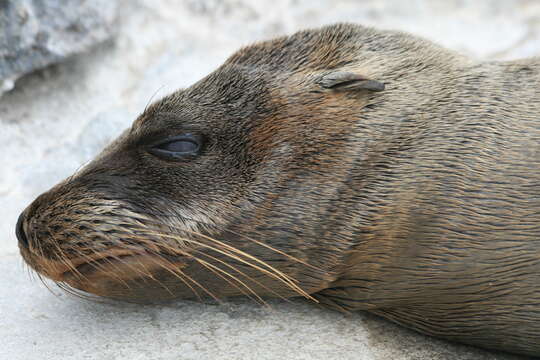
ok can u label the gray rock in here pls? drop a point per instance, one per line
(37, 33)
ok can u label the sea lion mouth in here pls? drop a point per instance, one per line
(118, 275)
(129, 265)
(96, 265)
(117, 263)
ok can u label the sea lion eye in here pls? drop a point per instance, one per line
(178, 147)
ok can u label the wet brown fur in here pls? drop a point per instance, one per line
(420, 203)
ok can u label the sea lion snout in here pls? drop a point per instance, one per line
(68, 232)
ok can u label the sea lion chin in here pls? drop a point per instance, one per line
(359, 168)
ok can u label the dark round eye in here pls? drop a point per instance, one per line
(178, 147)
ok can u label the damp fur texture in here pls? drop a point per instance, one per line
(363, 169)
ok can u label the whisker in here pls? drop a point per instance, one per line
(93, 262)
(40, 277)
(77, 293)
(276, 274)
(235, 233)
(30, 273)
(130, 266)
(178, 273)
(153, 229)
(241, 273)
(37, 246)
(174, 272)
(64, 260)
(152, 97)
(203, 288)
(209, 266)
(162, 284)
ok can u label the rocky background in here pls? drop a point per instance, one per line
(59, 117)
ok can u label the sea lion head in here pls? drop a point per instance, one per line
(225, 188)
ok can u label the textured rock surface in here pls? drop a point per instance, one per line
(37, 33)
(58, 118)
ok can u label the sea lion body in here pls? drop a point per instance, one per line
(365, 169)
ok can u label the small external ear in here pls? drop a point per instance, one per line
(344, 80)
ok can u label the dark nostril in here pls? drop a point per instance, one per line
(19, 231)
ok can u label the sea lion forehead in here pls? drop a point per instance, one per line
(247, 75)
(162, 113)
(230, 91)
(323, 48)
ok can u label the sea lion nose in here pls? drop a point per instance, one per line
(19, 230)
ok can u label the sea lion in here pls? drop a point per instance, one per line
(363, 169)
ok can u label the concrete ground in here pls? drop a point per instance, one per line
(58, 118)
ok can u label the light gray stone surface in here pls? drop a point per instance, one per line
(37, 33)
(58, 118)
